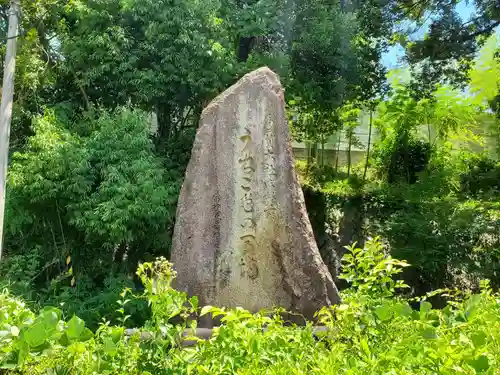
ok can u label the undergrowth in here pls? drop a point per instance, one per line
(374, 331)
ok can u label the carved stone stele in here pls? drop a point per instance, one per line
(242, 235)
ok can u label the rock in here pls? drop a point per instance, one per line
(242, 235)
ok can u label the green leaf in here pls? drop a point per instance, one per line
(480, 364)
(64, 340)
(24, 350)
(383, 312)
(471, 306)
(35, 335)
(110, 347)
(8, 366)
(425, 307)
(86, 335)
(403, 310)
(50, 318)
(77, 348)
(215, 311)
(365, 347)
(75, 327)
(478, 339)
(429, 333)
(116, 334)
(194, 302)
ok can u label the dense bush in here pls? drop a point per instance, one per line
(373, 332)
(87, 199)
(450, 241)
(400, 160)
(104, 194)
(482, 176)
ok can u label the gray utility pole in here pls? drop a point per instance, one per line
(6, 106)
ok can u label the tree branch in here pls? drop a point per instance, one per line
(486, 30)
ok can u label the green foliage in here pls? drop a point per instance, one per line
(370, 271)
(416, 134)
(450, 243)
(103, 198)
(450, 239)
(398, 159)
(400, 154)
(374, 331)
(93, 302)
(446, 51)
(321, 55)
(166, 303)
(160, 55)
(92, 192)
(482, 177)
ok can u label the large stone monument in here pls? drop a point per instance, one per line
(242, 235)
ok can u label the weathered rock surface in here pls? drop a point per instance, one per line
(242, 235)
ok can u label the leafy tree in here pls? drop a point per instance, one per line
(104, 198)
(485, 84)
(397, 123)
(160, 55)
(350, 121)
(323, 56)
(253, 25)
(35, 64)
(448, 49)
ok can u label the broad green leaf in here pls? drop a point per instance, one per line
(110, 347)
(24, 350)
(50, 314)
(425, 307)
(86, 335)
(116, 334)
(64, 340)
(8, 366)
(403, 310)
(478, 339)
(215, 311)
(383, 312)
(35, 335)
(75, 327)
(480, 364)
(472, 305)
(77, 348)
(50, 318)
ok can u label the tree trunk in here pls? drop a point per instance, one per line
(337, 153)
(6, 106)
(323, 152)
(429, 131)
(349, 154)
(308, 151)
(164, 123)
(369, 143)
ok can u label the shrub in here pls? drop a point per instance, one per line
(102, 198)
(482, 176)
(374, 331)
(449, 242)
(402, 160)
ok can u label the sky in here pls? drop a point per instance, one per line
(392, 58)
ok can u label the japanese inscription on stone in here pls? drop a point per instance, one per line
(248, 225)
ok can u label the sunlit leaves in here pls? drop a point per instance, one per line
(107, 186)
(370, 332)
(161, 55)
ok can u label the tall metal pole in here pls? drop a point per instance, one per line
(6, 106)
